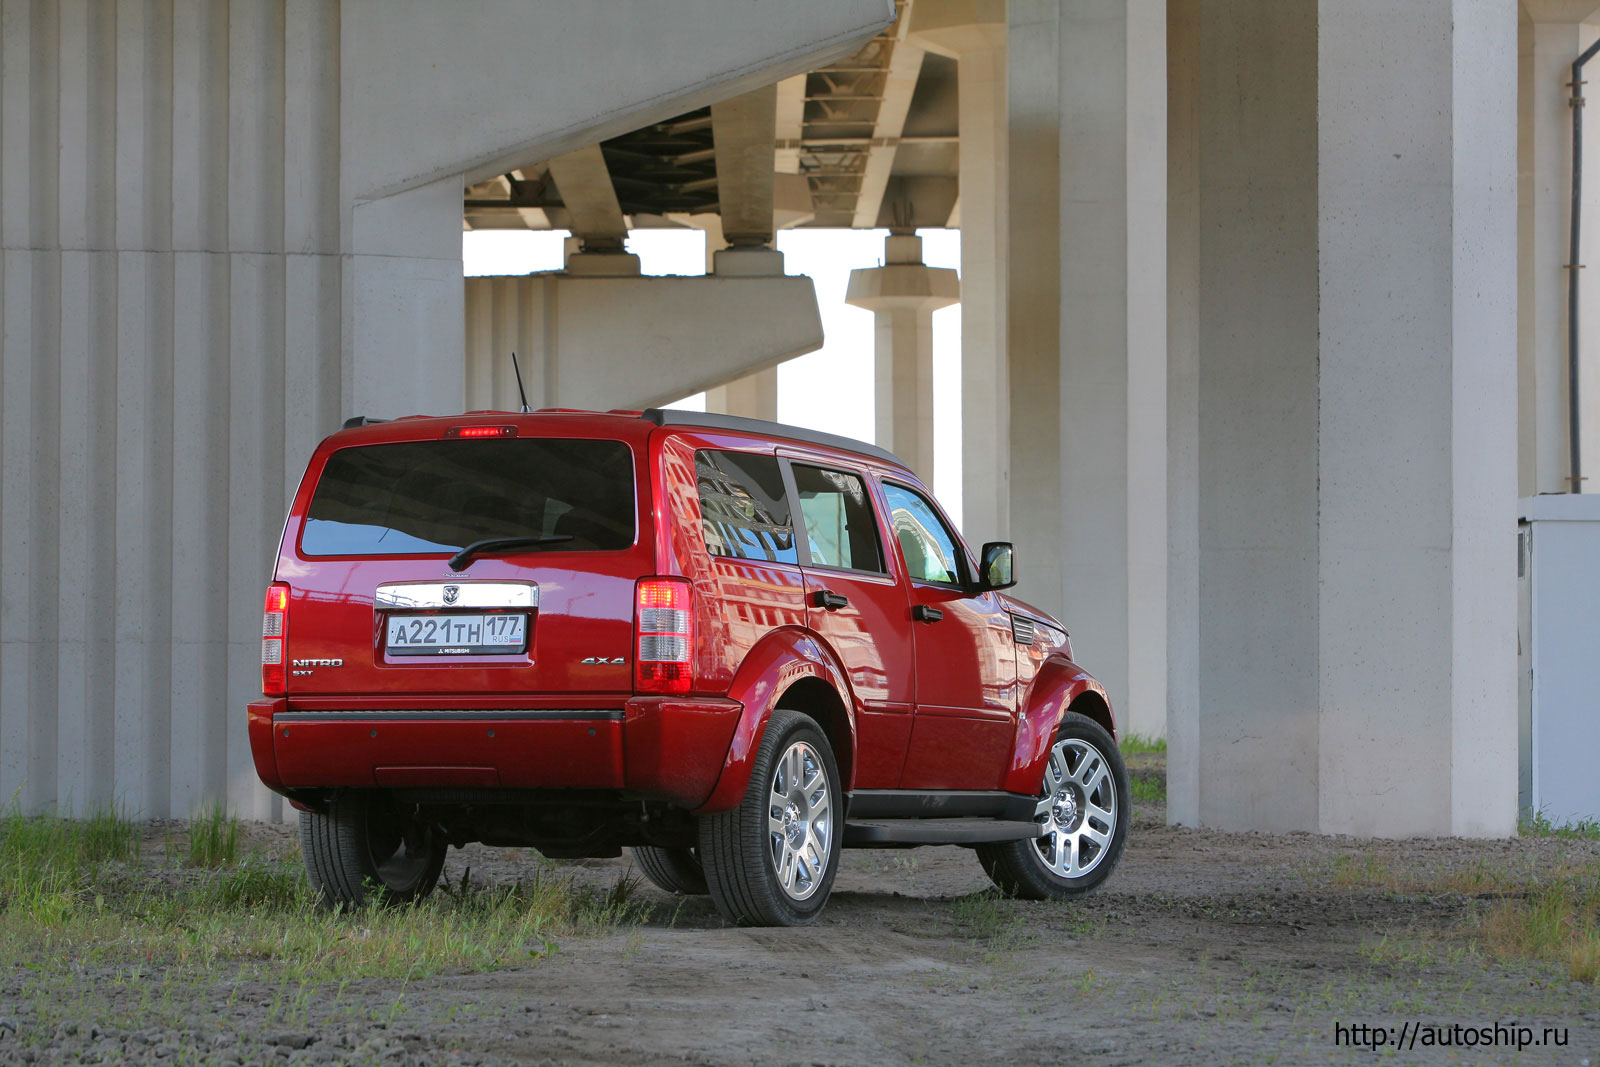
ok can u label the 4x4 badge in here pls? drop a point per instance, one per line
(596, 661)
(451, 592)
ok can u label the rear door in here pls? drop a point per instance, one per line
(966, 667)
(859, 606)
(375, 612)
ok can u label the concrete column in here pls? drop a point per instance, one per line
(744, 129)
(1183, 405)
(903, 294)
(1355, 272)
(754, 396)
(974, 33)
(1088, 389)
(1551, 35)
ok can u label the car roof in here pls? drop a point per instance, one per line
(674, 418)
(711, 421)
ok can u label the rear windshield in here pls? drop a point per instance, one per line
(440, 496)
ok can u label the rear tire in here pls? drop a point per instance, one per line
(365, 850)
(771, 860)
(1084, 808)
(677, 870)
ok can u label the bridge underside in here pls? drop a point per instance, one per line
(1241, 286)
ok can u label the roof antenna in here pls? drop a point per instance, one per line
(523, 393)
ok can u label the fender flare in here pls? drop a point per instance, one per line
(776, 663)
(1058, 684)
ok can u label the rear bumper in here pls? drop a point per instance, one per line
(661, 748)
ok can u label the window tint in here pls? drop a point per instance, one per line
(927, 544)
(744, 510)
(840, 528)
(440, 496)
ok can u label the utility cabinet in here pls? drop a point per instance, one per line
(1558, 644)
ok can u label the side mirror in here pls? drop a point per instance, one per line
(995, 572)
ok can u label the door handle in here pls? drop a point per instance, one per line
(926, 613)
(826, 598)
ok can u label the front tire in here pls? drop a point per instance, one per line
(1083, 810)
(677, 870)
(771, 860)
(364, 849)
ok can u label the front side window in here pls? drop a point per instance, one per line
(744, 510)
(930, 549)
(416, 497)
(840, 528)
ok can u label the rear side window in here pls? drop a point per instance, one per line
(440, 496)
(744, 511)
(840, 528)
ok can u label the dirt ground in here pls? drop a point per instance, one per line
(1204, 948)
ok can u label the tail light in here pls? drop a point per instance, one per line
(274, 635)
(663, 630)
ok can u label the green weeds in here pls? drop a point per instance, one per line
(1551, 914)
(83, 883)
(213, 838)
(1556, 917)
(1539, 825)
(45, 860)
(1135, 744)
(1148, 788)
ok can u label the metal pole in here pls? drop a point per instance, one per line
(1574, 438)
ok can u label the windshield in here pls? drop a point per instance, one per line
(440, 496)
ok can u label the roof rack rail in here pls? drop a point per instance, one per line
(361, 420)
(711, 421)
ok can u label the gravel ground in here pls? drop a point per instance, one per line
(1204, 948)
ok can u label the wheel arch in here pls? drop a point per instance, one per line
(1059, 686)
(1091, 703)
(788, 668)
(820, 701)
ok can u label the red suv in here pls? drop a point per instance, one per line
(732, 646)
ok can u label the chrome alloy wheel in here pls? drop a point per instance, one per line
(1077, 810)
(799, 821)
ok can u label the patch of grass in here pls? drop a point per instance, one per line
(1556, 918)
(107, 834)
(1363, 871)
(1583, 959)
(1550, 915)
(1148, 788)
(994, 923)
(1132, 744)
(45, 860)
(213, 838)
(260, 882)
(1409, 951)
(224, 912)
(1539, 825)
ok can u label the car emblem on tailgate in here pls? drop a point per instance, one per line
(595, 661)
(451, 593)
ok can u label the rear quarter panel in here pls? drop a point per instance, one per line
(737, 601)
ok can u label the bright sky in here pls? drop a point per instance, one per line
(829, 389)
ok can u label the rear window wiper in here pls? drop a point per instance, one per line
(459, 561)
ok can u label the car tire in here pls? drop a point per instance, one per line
(677, 870)
(1084, 808)
(771, 861)
(364, 850)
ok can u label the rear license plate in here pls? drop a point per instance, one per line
(476, 634)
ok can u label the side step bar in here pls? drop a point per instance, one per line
(870, 833)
